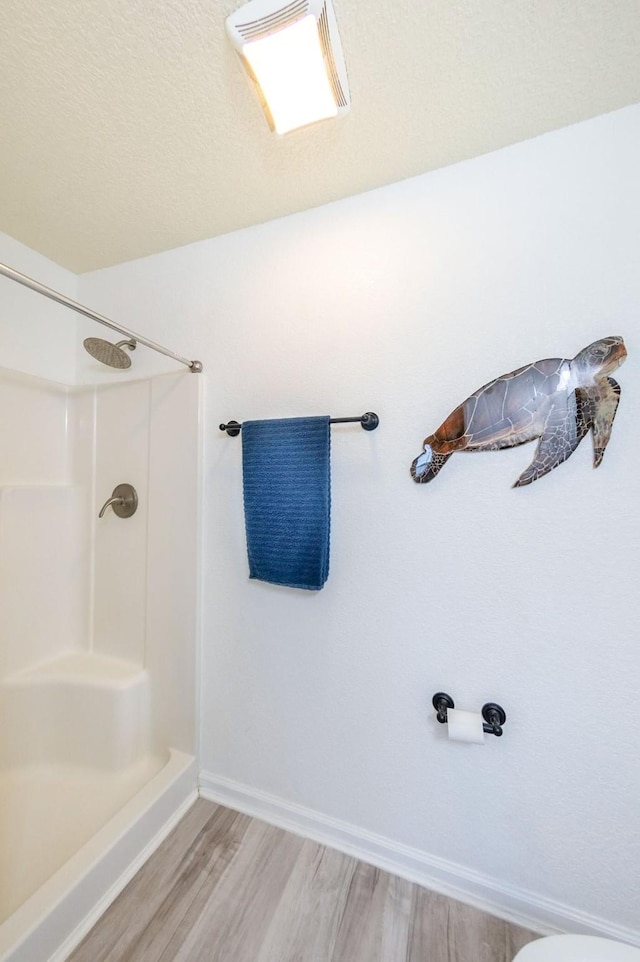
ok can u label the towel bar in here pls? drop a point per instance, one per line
(369, 421)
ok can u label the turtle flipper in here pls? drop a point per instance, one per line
(563, 432)
(605, 411)
(585, 411)
(596, 410)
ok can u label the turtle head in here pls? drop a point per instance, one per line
(421, 465)
(599, 359)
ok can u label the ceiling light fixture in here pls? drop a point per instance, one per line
(293, 57)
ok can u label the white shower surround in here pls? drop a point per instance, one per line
(98, 621)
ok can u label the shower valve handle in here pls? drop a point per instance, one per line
(123, 500)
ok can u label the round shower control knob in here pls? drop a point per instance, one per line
(123, 500)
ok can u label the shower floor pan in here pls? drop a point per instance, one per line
(82, 799)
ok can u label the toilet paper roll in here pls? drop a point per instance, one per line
(465, 726)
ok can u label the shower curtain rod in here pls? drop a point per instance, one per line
(194, 366)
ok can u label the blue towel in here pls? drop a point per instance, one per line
(287, 500)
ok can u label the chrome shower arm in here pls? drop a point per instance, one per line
(194, 366)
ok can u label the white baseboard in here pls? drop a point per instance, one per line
(483, 892)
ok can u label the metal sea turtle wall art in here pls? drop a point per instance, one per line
(555, 400)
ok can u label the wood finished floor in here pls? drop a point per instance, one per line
(224, 887)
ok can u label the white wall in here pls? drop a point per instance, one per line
(37, 336)
(403, 301)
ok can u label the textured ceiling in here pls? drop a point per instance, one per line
(127, 126)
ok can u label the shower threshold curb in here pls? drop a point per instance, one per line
(50, 924)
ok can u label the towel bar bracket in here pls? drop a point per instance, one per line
(368, 421)
(232, 428)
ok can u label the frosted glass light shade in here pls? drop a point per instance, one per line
(289, 68)
(294, 58)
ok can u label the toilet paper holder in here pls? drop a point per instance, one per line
(494, 715)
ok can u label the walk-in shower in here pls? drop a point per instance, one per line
(97, 637)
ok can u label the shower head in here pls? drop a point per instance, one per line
(108, 353)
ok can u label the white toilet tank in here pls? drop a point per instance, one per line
(577, 948)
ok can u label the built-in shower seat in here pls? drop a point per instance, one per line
(78, 708)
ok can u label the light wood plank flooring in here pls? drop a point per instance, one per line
(224, 887)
